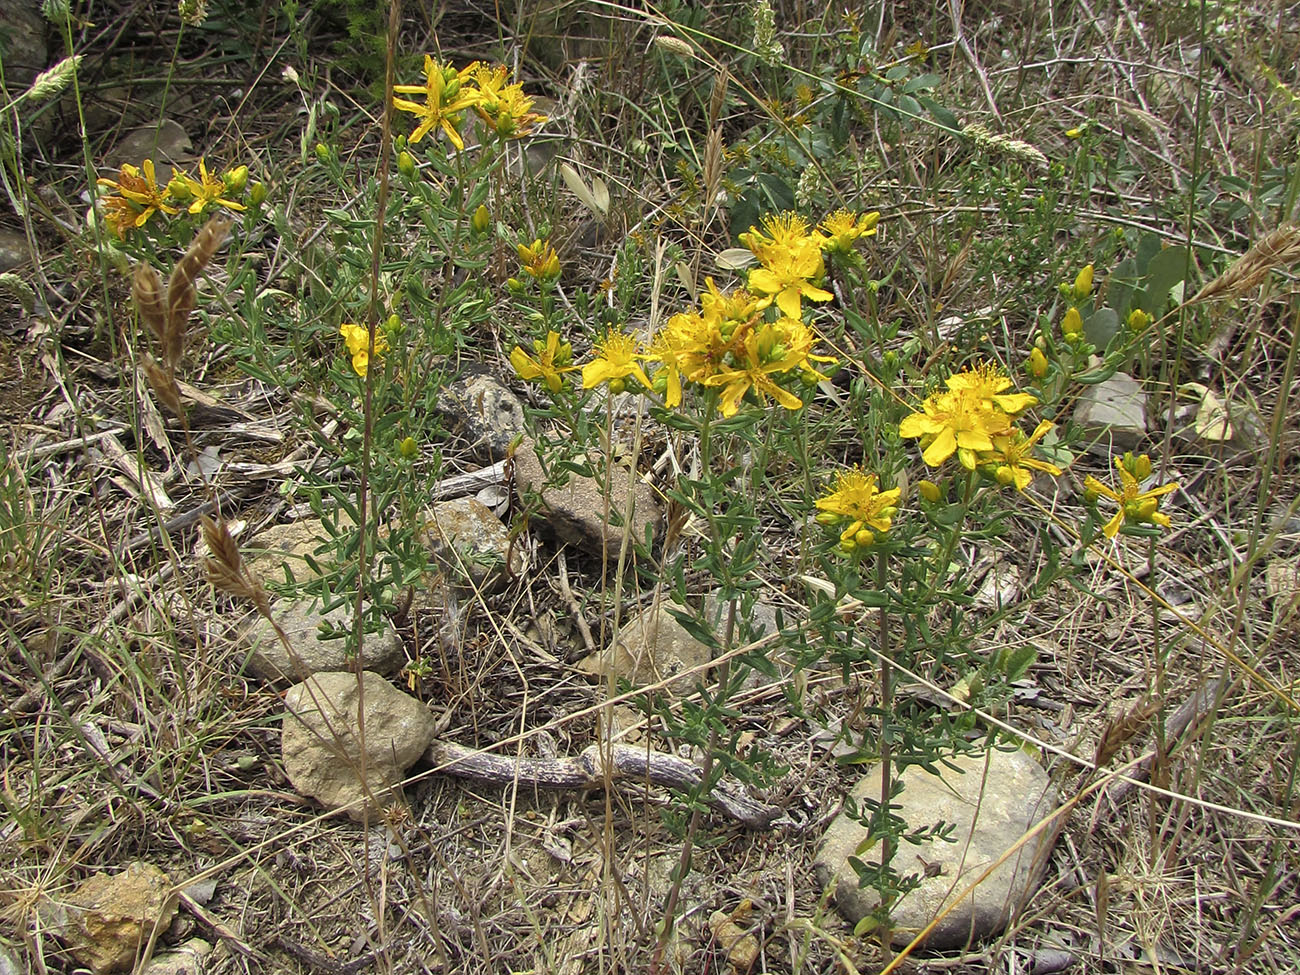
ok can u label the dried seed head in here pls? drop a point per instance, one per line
(147, 289)
(719, 95)
(1121, 729)
(1280, 248)
(164, 387)
(181, 293)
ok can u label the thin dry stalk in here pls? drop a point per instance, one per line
(1278, 249)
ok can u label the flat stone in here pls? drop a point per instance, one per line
(482, 411)
(321, 743)
(25, 51)
(472, 542)
(1113, 412)
(991, 808)
(112, 916)
(188, 959)
(287, 546)
(575, 512)
(651, 646)
(303, 623)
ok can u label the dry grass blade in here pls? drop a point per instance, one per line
(150, 298)
(1281, 248)
(181, 293)
(1123, 728)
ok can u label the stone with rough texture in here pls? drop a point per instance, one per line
(321, 745)
(13, 249)
(479, 409)
(23, 44)
(991, 809)
(1113, 412)
(651, 646)
(287, 546)
(186, 960)
(112, 917)
(575, 512)
(471, 541)
(302, 623)
(166, 143)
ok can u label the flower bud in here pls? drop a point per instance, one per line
(1083, 284)
(514, 286)
(406, 164)
(178, 189)
(1073, 322)
(1037, 365)
(481, 220)
(257, 194)
(235, 180)
(408, 448)
(322, 152)
(929, 491)
(1138, 320)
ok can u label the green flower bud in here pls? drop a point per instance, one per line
(481, 220)
(322, 152)
(408, 448)
(406, 164)
(257, 194)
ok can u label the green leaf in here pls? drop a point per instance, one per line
(1101, 327)
(1167, 269)
(1017, 663)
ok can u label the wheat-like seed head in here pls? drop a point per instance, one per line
(181, 292)
(150, 298)
(1123, 728)
(164, 387)
(1280, 248)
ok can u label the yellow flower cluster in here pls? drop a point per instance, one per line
(975, 419)
(790, 256)
(859, 507)
(138, 196)
(357, 339)
(449, 92)
(1135, 505)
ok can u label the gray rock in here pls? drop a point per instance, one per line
(651, 646)
(321, 744)
(991, 808)
(22, 43)
(302, 623)
(466, 536)
(478, 408)
(111, 917)
(167, 144)
(1113, 412)
(13, 250)
(575, 512)
(186, 960)
(287, 546)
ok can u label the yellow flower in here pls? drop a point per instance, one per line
(357, 339)
(208, 190)
(539, 260)
(986, 381)
(616, 360)
(957, 421)
(842, 229)
(138, 198)
(863, 509)
(1135, 506)
(550, 361)
(771, 348)
(505, 108)
(791, 259)
(1010, 457)
(445, 96)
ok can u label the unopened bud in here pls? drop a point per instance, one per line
(406, 164)
(481, 220)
